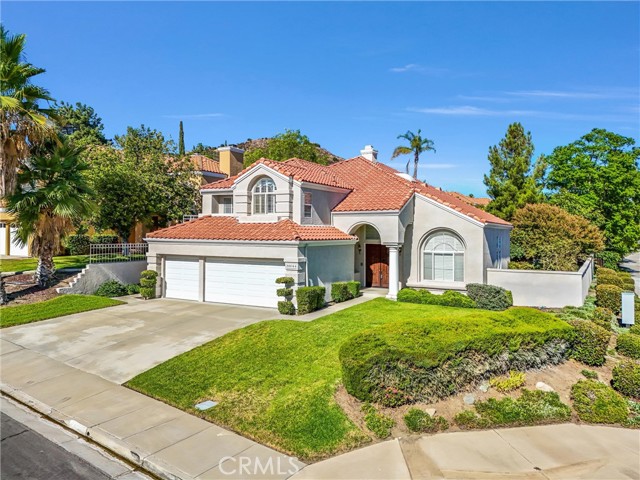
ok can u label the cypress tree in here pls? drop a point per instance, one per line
(181, 140)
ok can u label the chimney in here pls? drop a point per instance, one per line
(369, 153)
(231, 160)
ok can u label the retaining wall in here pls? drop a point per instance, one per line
(95, 274)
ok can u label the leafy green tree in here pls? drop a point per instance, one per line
(52, 192)
(417, 146)
(81, 124)
(181, 140)
(25, 123)
(140, 143)
(597, 177)
(512, 181)
(206, 150)
(290, 144)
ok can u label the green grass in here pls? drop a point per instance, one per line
(56, 307)
(26, 264)
(276, 380)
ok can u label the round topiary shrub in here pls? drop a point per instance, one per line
(286, 307)
(148, 281)
(609, 296)
(589, 343)
(626, 378)
(602, 317)
(628, 344)
(596, 402)
(603, 279)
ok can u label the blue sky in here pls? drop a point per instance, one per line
(347, 74)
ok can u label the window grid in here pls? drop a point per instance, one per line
(307, 205)
(264, 198)
(443, 258)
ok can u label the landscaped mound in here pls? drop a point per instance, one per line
(427, 359)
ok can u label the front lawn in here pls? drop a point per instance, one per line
(27, 264)
(56, 307)
(275, 381)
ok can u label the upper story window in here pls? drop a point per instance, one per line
(264, 197)
(307, 204)
(227, 205)
(443, 258)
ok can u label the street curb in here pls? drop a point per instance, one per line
(95, 435)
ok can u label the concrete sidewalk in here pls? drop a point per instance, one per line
(161, 439)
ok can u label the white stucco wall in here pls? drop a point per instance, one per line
(95, 274)
(542, 288)
(328, 264)
(322, 202)
(497, 247)
(244, 185)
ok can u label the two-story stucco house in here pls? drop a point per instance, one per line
(356, 219)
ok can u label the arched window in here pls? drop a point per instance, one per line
(443, 258)
(264, 197)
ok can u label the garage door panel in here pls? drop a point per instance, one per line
(243, 281)
(182, 278)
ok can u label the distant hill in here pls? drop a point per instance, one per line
(253, 144)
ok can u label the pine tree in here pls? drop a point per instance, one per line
(513, 182)
(181, 140)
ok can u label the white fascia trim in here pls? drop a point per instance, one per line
(317, 186)
(257, 243)
(498, 225)
(450, 210)
(217, 190)
(262, 166)
(368, 212)
(327, 243)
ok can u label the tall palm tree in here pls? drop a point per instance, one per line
(417, 145)
(52, 192)
(24, 123)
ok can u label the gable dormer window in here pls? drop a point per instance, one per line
(307, 204)
(264, 197)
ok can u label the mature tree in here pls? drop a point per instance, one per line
(52, 192)
(549, 238)
(181, 140)
(25, 122)
(206, 150)
(512, 181)
(290, 144)
(597, 177)
(81, 124)
(143, 142)
(417, 146)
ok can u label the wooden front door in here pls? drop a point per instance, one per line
(377, 265)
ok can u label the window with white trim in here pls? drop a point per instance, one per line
(264, 197)
(227, 205)
(443, 258)
(307, 204)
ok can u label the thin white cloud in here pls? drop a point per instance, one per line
(195, 116)
(599, 94)
(482, 98)
(417, 68)
(470, 111)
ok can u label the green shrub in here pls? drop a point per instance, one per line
(603, 279)
(104, 238)
(447, 299)
(625, 275)
(628, 344)
(610, 260)
(508, 383)
(340, 292)
(288, 281)
(425, 361)
(148, 281)
(626, 378)
(635, 329)
(489, 297)
(111, 288)
(286, 307)
(310, 299)
(78, 244)
(150, 274)
(590, 374)
(409, 295)
(628, 285)
(456, 299)
(378, 423)
(605, 271)
(602, 317)
(133, 289)
(354, 288)
(518, 265)
(596, 402)
(284, 292)
(590, 342)
(609, 296)
(420, 421)
(533, 407)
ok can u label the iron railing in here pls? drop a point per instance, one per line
(188, 218)
(117, 252)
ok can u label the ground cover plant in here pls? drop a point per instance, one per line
(379, 423)
(419, 421)
(595, 402)
(56, 307)
(626, 379)
(276, 380)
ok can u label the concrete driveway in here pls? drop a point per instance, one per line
(120, 342)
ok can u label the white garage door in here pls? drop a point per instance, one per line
(243, 282)
(182, 277)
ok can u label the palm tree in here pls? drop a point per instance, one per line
(417, 145)
(52, 192)
(23, 123)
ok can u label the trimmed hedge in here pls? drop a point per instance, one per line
(310, 299)
(609, 296)
(602, 317)
(605, 271)
(289, 281)
(340, 292)
(425, 297)
(596, 402)
(148, 281)
(78, 244)
(590, 342)
(635, 329)
(426, 360)
(489, 297)
(284, 292)
(112, 288)
(626, 379)
(420, 421)
(628, 344)
(286, 307)
(354, 288)
(603, 279)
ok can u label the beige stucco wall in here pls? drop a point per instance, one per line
(388, 224)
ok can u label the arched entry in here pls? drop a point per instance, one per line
(371, 257)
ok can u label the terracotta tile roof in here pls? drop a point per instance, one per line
(205, 164)
(228, 228)
(475, 201)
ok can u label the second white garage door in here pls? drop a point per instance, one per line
(244, 282)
